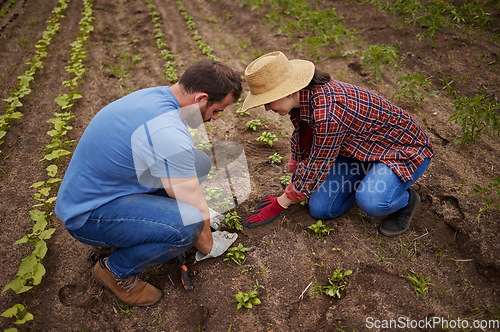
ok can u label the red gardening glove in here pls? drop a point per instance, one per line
(267, 210)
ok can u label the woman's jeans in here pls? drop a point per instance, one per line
(372, 185)
(144, 229)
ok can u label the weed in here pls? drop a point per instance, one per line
(320, 230)
(267, 137)
(420, 284)
(491, 203)
(409, 250)
(476, 116)
(236, 254)
(232, 221)
(440, 253)
(483, 311)
(247, 300)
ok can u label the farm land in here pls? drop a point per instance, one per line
(62, 61)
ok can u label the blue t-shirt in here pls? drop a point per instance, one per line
(125, 149)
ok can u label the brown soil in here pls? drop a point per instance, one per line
(445, 242)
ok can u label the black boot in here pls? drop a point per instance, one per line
(399, 222)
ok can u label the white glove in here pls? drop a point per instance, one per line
(215, 219)
(222, 241)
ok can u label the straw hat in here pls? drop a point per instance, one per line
(272, 77)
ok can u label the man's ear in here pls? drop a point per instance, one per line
(199, 96)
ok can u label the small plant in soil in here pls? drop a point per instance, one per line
(240, 112)
(254, 124)
(236, 254)
(320, 229)
(414, 89)
(336, 284)
(213, 193)
(285, 180)
(420, 284)
(247, 300)
(476, 116)
(268, 138)
(19, 312)
(276, 159)
(493, 201)
(232, 221)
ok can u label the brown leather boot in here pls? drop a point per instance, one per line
(131, 290)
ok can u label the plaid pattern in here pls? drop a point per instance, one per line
(355, 123)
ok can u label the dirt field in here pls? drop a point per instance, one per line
(446, 243)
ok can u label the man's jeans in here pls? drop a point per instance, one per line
(144, 229)
(372, 185)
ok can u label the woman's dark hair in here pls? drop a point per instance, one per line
(214, 78)
(319, 78)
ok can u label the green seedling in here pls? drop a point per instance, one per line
(320, 30)
(254, 124)
(414, 89)
(285, 180)
(276, 159)
(377, 57)
(240, 112)
(420, 284)
(19, 312)
(476, 116)
(336, 283)
(268, 138)
(232, 221)
(236, 254)
(213, 193)
(247, 300)
(320, 230)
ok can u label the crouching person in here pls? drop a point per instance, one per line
(133, 183)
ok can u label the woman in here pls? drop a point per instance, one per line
(348, 145)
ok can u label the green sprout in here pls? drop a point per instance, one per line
(320, 230)
(232, 221)
(276, 159)
(254, 124)
(236, 254)
(267, 137)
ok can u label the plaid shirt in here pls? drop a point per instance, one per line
(353, 122)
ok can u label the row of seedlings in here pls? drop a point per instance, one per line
(31, 269)
(204, 47)
(23, 89)
(170, 65)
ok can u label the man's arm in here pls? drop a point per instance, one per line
(187, 190)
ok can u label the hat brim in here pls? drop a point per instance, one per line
(303, 72)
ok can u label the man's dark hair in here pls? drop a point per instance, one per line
(214, 78)
(319, 78)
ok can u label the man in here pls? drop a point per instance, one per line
(133, 183)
